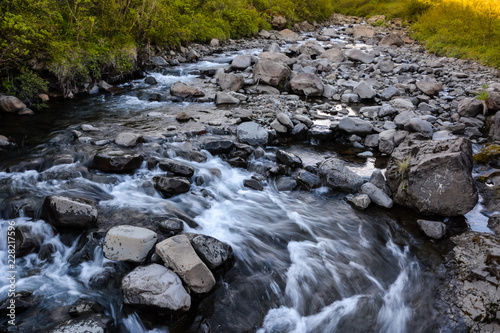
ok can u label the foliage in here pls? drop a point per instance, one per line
(404, 165)
(487, 154)
(27, 85)
(483, 94)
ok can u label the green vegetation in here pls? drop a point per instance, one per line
(487, 154)
(403, 166)
(73, 42)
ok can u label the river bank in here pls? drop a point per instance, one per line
(314, 120)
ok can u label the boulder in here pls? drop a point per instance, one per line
(180, 89)
(128, 243)
(11, 104)
(288, 159)
(69, 212)
(288, 36)
(432, 229)
(433, 177)
(334, 55)
(494, 222)
(307, 84)
(363, 31)
(278, 22)
(218, 145)
(307, 180)
(493, 101)
(172, 226)
(117, 161)
(311, 48)
(178, 254)
(252, 133)
(402, 104)
(470, 107)
(176, 167)
(338, 177)
(279, 127)
(429, 86)
(150, 80)
(386, 66)
(386, 141)
(183, 117)
(92, 323)
(355, 126)
(329, 32)
(376, 195)
(276, 56)
(241, 62)
(169, 186)
(304, 26)
(128, 139)
(271, 73)
(230, 82)
(211, 251)
(358, 55)
(392, 39)
(364, 91)
(420, 126)
(254, 184)
(157, 286)
(272, 48)
(377, 178)
(158, 61)
(404, 118)
(284, 120)
(361, 201)
(224, 98)
(285, 184)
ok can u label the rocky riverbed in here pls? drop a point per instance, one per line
(250, 185)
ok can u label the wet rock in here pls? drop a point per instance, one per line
(158, 61)
(84, 307)
(433, 177)
(170, 186)
(211, 251)
(338, 177)
(361, 201)
(69, 212)
(252, 133)
(355, 126)
(150, 80)
(254, 184)
(25, 112)
(117, 161)
(218, 146)
(494, 133)
(230, 82)
(25, 242)
(289, 159)
(376, 195)
(271, 73)
(308, 181)
(307, 85)
(391, 39)
(284, 183)
(241, 62)
(470, 107)
(172, 226)
(176, 167)
(334, 55)
(364, 91)
(419, 125)
(183, 117)
(178, 253)
(157, 286)
(11, 103)
(180, 89)
(288, 36)
(429, 86)
(224, 98)
(4, 141)
(432, 229)
(128, 243)
(329, 32)
(64, 159)
(279, 127)
(358, 55)
(284, 120)
(377, 178)
(93, 323)
(128, 139)
(299, 132)
(46, 251)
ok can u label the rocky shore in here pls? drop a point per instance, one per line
(346, 85)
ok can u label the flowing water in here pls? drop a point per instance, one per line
(303, 261)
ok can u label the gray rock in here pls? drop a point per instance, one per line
(128, 243)
(241, 62)
(243, 114)
(361, 201)
(329, 32)
(288, 159)
(252, 133)
(385, 66)
(155, 285)
(273, 47)
(493, 101)
(402, 104)
(172, 226)
(285, 184)
(350, 98)
(494, 222)
(284, 119)
(389, 93)
(11, 104)
(178, 253)
(470, 107)
(279, 127)
(307, 84)
(158, 61)
(169, 186)
(211, 251)
(277, 57)
(117, 161)
(288, 36)
(183, 90)
(404, 118)
(69, 212)
(150, 80)
(433, 177)
(311, 48)
(364, 91)
(176, 167)
(93, 323)
(253, 184)
(386, 141)
(299, 131)
(377, 178)
(362, 31)
(218, 146)
(355, 126)
(391, 39)
(230, 81)
(430, 87)
(420, 126)
(271, 72)
(376, 195)
(334, 55)
(358, 55)
(128, 139)
(371, 140)
(338, 177)
(432, 229)
(307, 180)
(224, 98)
(262, 89)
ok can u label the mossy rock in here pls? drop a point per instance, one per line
(487, 154)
